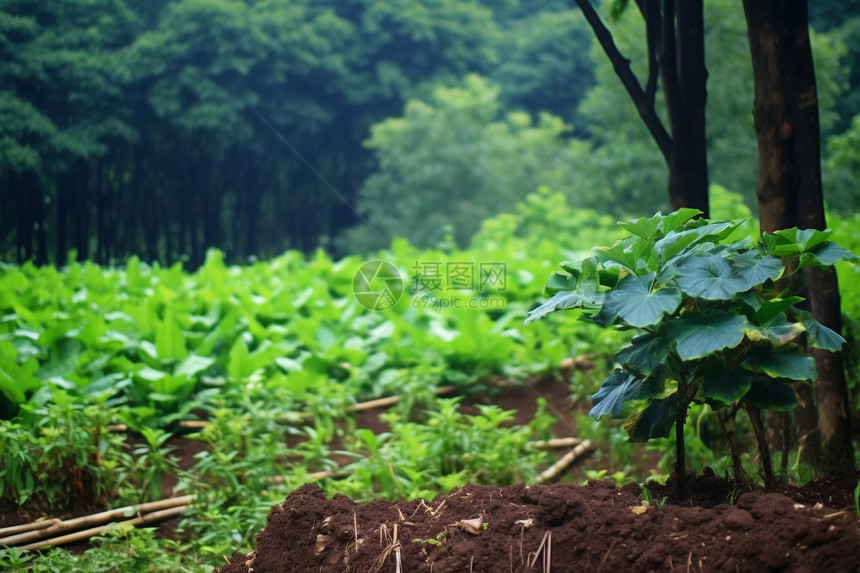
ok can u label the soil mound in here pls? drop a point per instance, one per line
(559, 528)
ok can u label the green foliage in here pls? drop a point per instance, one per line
(57, 454)
(627, 163)
(421, 459)
(843, 166)
(716, 328)
(544, 64)
(454, 161)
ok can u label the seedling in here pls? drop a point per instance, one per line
(437, 541)
(714, 327)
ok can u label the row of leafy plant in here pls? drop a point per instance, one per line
(272, 355)
(269, 354)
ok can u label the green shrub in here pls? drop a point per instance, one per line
(716, 328)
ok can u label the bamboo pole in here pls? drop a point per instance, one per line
(25, 527)
(391, 400)
(556, 443)
(193, 424)
(103, 517)
(563, 462)
(87, 533)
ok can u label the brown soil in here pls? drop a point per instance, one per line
(562, 527)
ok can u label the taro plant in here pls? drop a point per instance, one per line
(715, 326)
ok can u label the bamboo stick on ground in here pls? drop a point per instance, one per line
(25, 527)
(563, 462)
(193, 424)
(391, 400)
(556, 443)
(87, 533)
(103, 517)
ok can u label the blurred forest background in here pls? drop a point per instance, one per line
(164, 127)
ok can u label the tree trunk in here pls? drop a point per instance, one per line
(685, 84)
(680, 60)
(790, 194)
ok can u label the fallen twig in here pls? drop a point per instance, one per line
(563, 462)
(545, 547)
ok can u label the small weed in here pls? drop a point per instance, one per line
(439, 539)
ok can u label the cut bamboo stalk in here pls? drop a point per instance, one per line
(87, 533)
(193, 424)
(556, 443)
(103, 517)
(25, 527)
(391, 400)
(563, 462)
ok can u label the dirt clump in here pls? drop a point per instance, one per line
(559, 528)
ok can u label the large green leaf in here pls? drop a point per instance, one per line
(696, 335)
(726, 387)
(560, 282)
(770, 394)
(655, 421)
(193, 365)
(711, 278)
(169, 339)
(240, 365)
(716, 277)
(627, 253)
(646, 227)
(15, 380)
(62, 359)
(826, 255)
(633, 302)
(784, 363)
(677, 218)
(580, 290)
(615, 390)
(674, 243)
(771, 308)
(819, 336)
(752, 268)
(777, 330)
(562, 300)
(644, 353)
(806, 239)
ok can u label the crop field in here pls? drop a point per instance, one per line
(235, 385)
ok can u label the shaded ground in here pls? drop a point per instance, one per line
(560, 528)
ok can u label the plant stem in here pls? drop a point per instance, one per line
(680, 461)
(755, 418)
(680, 458)
(727, 425)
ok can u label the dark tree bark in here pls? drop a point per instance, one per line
(676, 48)
(790, 194)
